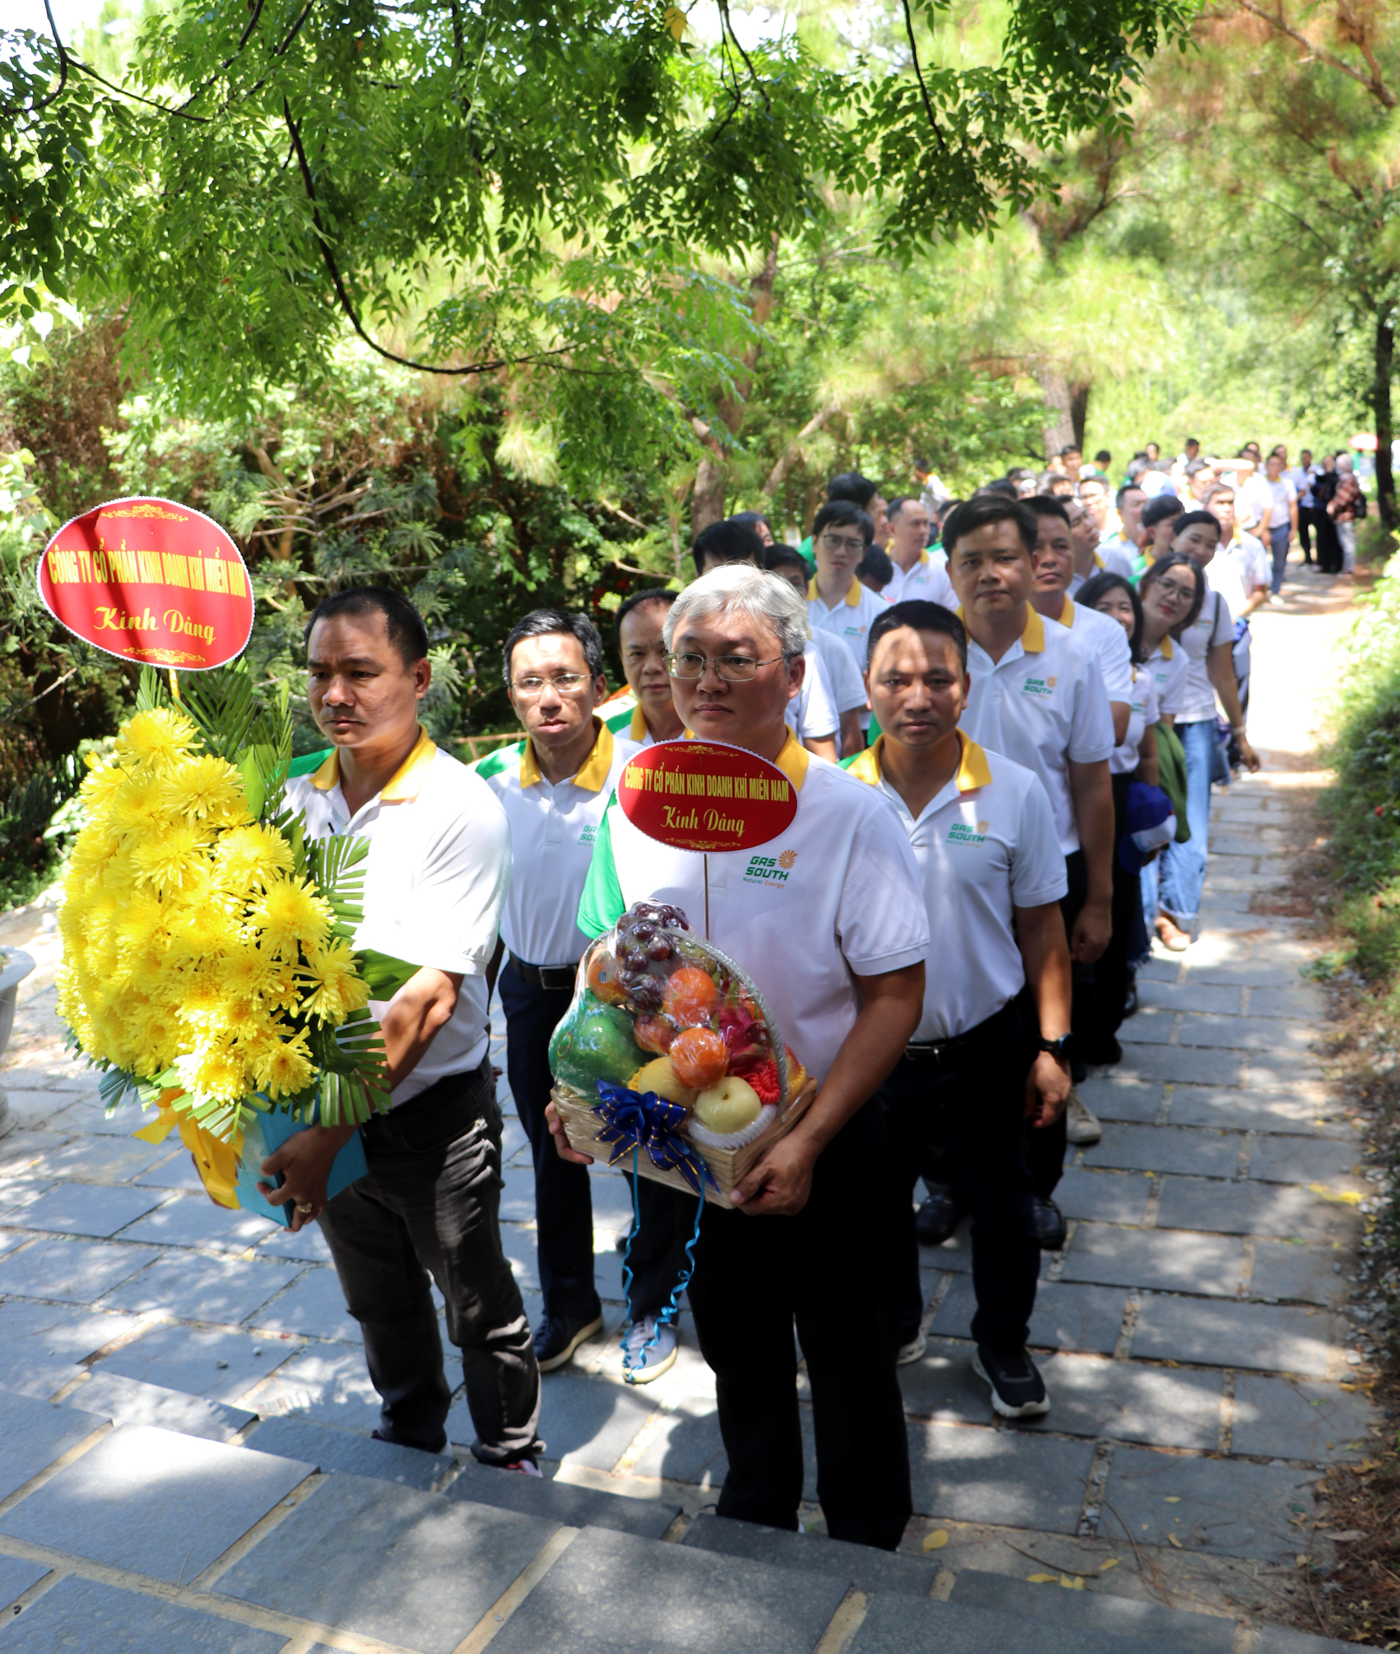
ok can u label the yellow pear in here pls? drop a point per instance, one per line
(660, 1077)
(732, 1105)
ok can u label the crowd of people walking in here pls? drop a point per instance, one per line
(1002, 717)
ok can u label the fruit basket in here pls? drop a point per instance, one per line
(669, 1056)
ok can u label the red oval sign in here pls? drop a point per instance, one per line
(702, 795)
(152, 581)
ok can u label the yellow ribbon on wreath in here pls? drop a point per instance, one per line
(215, 1160)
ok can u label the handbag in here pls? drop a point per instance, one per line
(1171, 776)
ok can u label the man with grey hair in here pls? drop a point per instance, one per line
(829, 921)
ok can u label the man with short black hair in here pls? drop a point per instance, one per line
(858, 490)
(919, 573)
(435, 885)
(1099, 549)
(836, 601)
(644, 712)
(847, 683)
(1157, 528)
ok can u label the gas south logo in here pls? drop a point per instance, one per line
(770, 869)
(1042, 688)
(961, 833)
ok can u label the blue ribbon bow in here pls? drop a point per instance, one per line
(646, 1121)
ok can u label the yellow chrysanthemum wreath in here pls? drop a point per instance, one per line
(208, 956)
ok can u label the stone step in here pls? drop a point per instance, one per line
(1097, 1610)
(133, 1401)
(867, 1569)
(564, 1502)
(345, 1452)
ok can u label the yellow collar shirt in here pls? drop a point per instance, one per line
(1044, 705)
(1109, 643)
(1169, 668)
(435, 884)
(985, 845)
(850, 621)
(926, 582)
(621, 714)
(552, 831)
(837, 892)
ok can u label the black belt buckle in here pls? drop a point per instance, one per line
(933, 1051)
(552, 978)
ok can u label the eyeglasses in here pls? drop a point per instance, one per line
(1176, 594)
(840, 542)
(565, 683)
(732, 668)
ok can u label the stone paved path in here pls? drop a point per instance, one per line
(1192, 1333)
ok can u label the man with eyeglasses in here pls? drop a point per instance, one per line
(836, 601)
(554, 787)
(644, 711)
(837, 944)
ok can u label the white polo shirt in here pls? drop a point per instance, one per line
(623, 716)
(435, 884)
(985, 845)
(849, 621)
(1142, 714)
(1110, 558)
(847, 684)
(926, 582)
(552, 829)
(1238, 570)
(837, 892)
(1043, 704)
(1110, 645)
(812, 713)
(1212, 627)
(1168, 665)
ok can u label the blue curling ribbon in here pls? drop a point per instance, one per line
(643, 1120)
(631, 1366)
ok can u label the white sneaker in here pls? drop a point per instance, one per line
(911, 1351)
(1277, 600)
(639, 1364)
(1081, 1124)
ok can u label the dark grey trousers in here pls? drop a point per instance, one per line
(430, 1205)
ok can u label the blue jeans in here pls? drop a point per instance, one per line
(1278, 544)
(1183, 866)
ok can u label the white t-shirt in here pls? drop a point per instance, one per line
(624, 717)
(1254, 499)
(1043, 704)
(847, 685)
(1169, 667)
(435, 884)
(926, 582)
(1212, 627)
(985, 844)
(1142, 714)
(849, 621)
(1282, 495)
(1110, 644)
(552, 829)
(1302, 481)
(1237, 570)
(837, 893)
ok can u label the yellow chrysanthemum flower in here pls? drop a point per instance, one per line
(248, 972)
(100, 786)
(158, 738)
(134, 811)
(247, 857)
(166, 860)
(336, 988)
(201, 789)
(213, 1069)
(287, 1069)
(290, 913)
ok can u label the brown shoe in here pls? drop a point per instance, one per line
(1171, 936)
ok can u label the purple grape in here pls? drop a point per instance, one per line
(648, 993)
(660, 950)
(643, 932)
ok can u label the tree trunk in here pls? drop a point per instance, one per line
(1385, 428)
(1059, 426)
(1078, 411)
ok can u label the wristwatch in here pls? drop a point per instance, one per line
(1061, 1049)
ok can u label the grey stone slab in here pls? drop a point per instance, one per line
(349, 1453)
(1066, 1316)
(1294, 1269)
(84, 1209)
(1114, 1099)
(1237, 1033)
(518, 1244)
(1282, 1418)
(16, 1576)
(42, 1344)
(1267, 1337)
(1095, 1610)
(129, 1401)
(1151, 1026)
(196, 1287)
(21, 1150)
(1129, 1401)
(1227, 1506)
(609, 1591)
(1168, 1260)
(220, 1366)
(325, 1382)
(1221, 901)
(1190, 996)
(35, 1109)
(87, 1114)
(1182, 1065)
(35, 1433)
(100, 1159)
(1014, 1478)
(555, 1501)
(312, 1307)
(153, 1501)
(869, 1570)
(178, 1171)
(1265, 972)
(326, 1562)
(1245, 1209)
(1165, 1149)
(1304, 1002)
(518, 1195)
(685, 1445)
(1108, 1197)
(1295, 1072)
(1306, 1160)
(1281, 1639)
(11, 1238)
(81, 1614)
(943, 1387)
(306, 1246)
(900, 1625)
(194, 1220)
(1199, 1105)
(72, 1272)
(589, 1421)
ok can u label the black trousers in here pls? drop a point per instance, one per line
(1329, 546)
(563, 1194)
(970, 1104)
(430, 1205)
(1129, 939)
(1045, 1145)
(1307, 522)
(753, 1277)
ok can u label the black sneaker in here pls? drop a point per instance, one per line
(939, 1215)
(1018, 1390)
(1050, 1226)
(556, 1339)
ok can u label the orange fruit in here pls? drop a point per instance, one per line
(653, 1033)
(699, 1057)
(691, 997)
(603, 978)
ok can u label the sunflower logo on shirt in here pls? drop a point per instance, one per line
(786, 858)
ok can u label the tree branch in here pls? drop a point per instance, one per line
(1372, 82)
(43, 103)
(793, 451)
(928, 101)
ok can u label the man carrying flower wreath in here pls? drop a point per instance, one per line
(437, 874)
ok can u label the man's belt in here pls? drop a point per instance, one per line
(940, 1050)
(557, 978)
